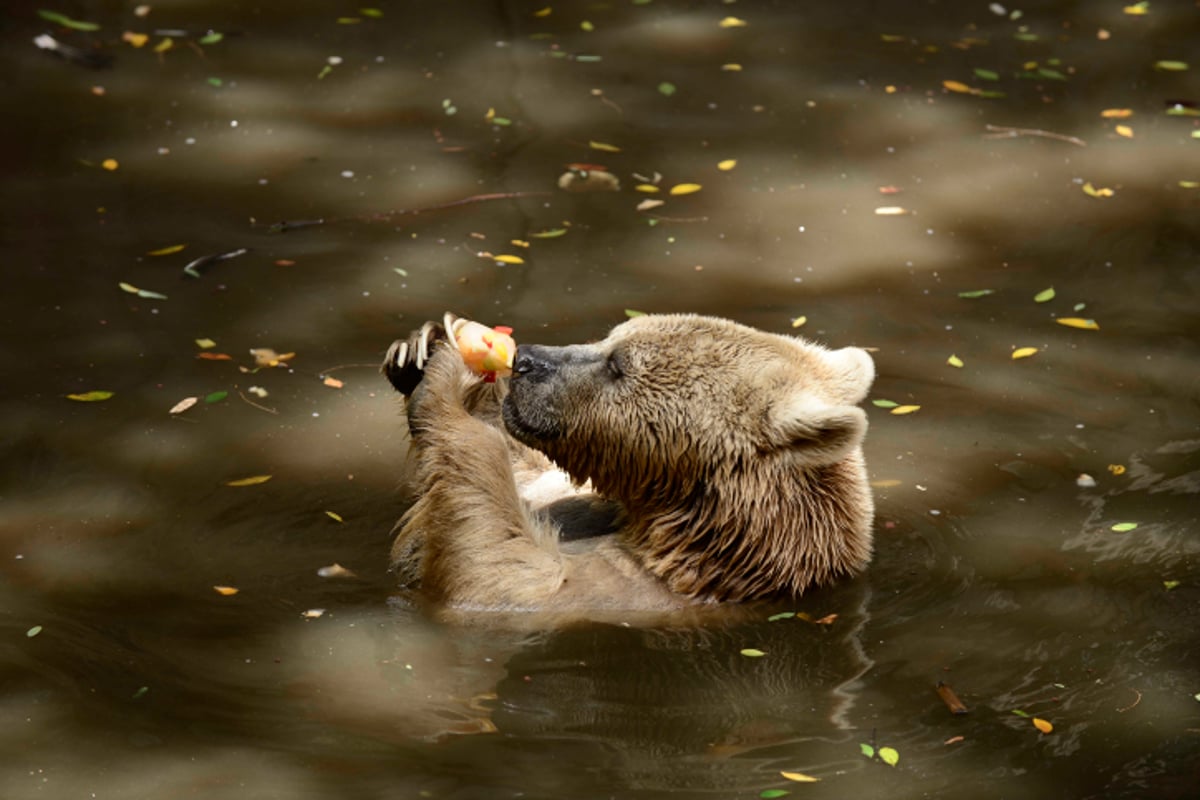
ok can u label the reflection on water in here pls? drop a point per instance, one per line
(997, 572)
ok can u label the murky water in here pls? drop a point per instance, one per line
(125, 675)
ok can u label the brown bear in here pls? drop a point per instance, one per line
(682, 460)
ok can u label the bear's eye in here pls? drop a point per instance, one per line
(615, 366)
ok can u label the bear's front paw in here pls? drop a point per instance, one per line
(404, 364)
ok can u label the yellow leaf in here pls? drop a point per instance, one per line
(727, 164)
(731, 67)
(1023, 352)
(648, 188)
(543, 12)
(110, 164)
(333, 383)
(1117, 113)
(1078, 322)
(799, 777)
(1092, 191)
(886, 483)
(891, 211)
(799, 321)
(732, 22)
(1125, 130)
(204, 344)
(165, 45)
(519, 242)
(90, 397)
(956, 86)
(900, 410)
(1137, 10)
(251, 481)
(1042, 725)
(135, 39)
(1116, 469)
(955, 361)
(685, 188)
(509, 259)
(166, 251)
(128, 287)
(225, 591)
(333, 515)
(605, 147)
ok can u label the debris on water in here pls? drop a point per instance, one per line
(201, 264)
(951, 700)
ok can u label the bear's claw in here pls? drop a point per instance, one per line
(404, 364)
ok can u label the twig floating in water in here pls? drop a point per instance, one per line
(204, 262)
(1005, 132)
(950, 699)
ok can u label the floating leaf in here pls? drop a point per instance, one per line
(253, 480)
(900, 410)
(507, 259)
(1138, 9)
(603, 146)
(110, 164)
(1042, 725)
(781, 615)
(650, 203)
(1044, 296)
(752, 652)
(1092, 191)
(214, 356)
(798, 322)
(165, 45)
(90, 397)
(373, 13)
(973, 293)
(1171, 66)
(884, 403)
(1116, 469)
(732, 22)
(333, 515)
(1053, 74)
(1023, 352)
(685, 188)
(204, 344)
(731, 67)
(1169, 585)
(889, 756)
(183, 405)
(225, 591)
(140, 693)
(1117, 113)
(867, 750)
(216, 397)
(799, 777)
(646, 188)
(333, 383)
(34, 631)
(986, 74)
(727, 164)
(666, 88)
(335, 571)
(892, 211)
(767, 794)
(553, 233)
(1020, 713)
(1124, 527)
(1124, 130)
(629, 312)
(67, 22)
(1078, 322)
(956, 86)
(955, 361)
(166, 251)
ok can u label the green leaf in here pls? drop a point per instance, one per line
(212, 37)
(1122, 527)
(781, 615)
(1171, 66)
(1044, 296)
(374, 13)
(752, 652)
(629, 312)
(140, 693)
(867, 750)
(149, 295)
(1197, 696)
(34, 631)
(666, 88)
(1020, 713)
(1052, 74)
(884, 403)
(215, 397)
(769, 793)
(986, 74)
(553, 233)
(1169, 585)
(889, 756)
(1025, 36)
(973, 293)
(90, 397)
(216, 82)
(67, 22)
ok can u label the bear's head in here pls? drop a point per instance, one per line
(736, 453)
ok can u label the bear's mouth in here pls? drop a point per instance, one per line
(532, 432)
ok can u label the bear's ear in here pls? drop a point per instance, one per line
(816, 432)
(853, 371)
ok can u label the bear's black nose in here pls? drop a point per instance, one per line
(533, 361)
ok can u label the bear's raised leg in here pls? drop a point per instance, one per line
(472, 535)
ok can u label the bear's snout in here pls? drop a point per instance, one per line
(534, 361)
